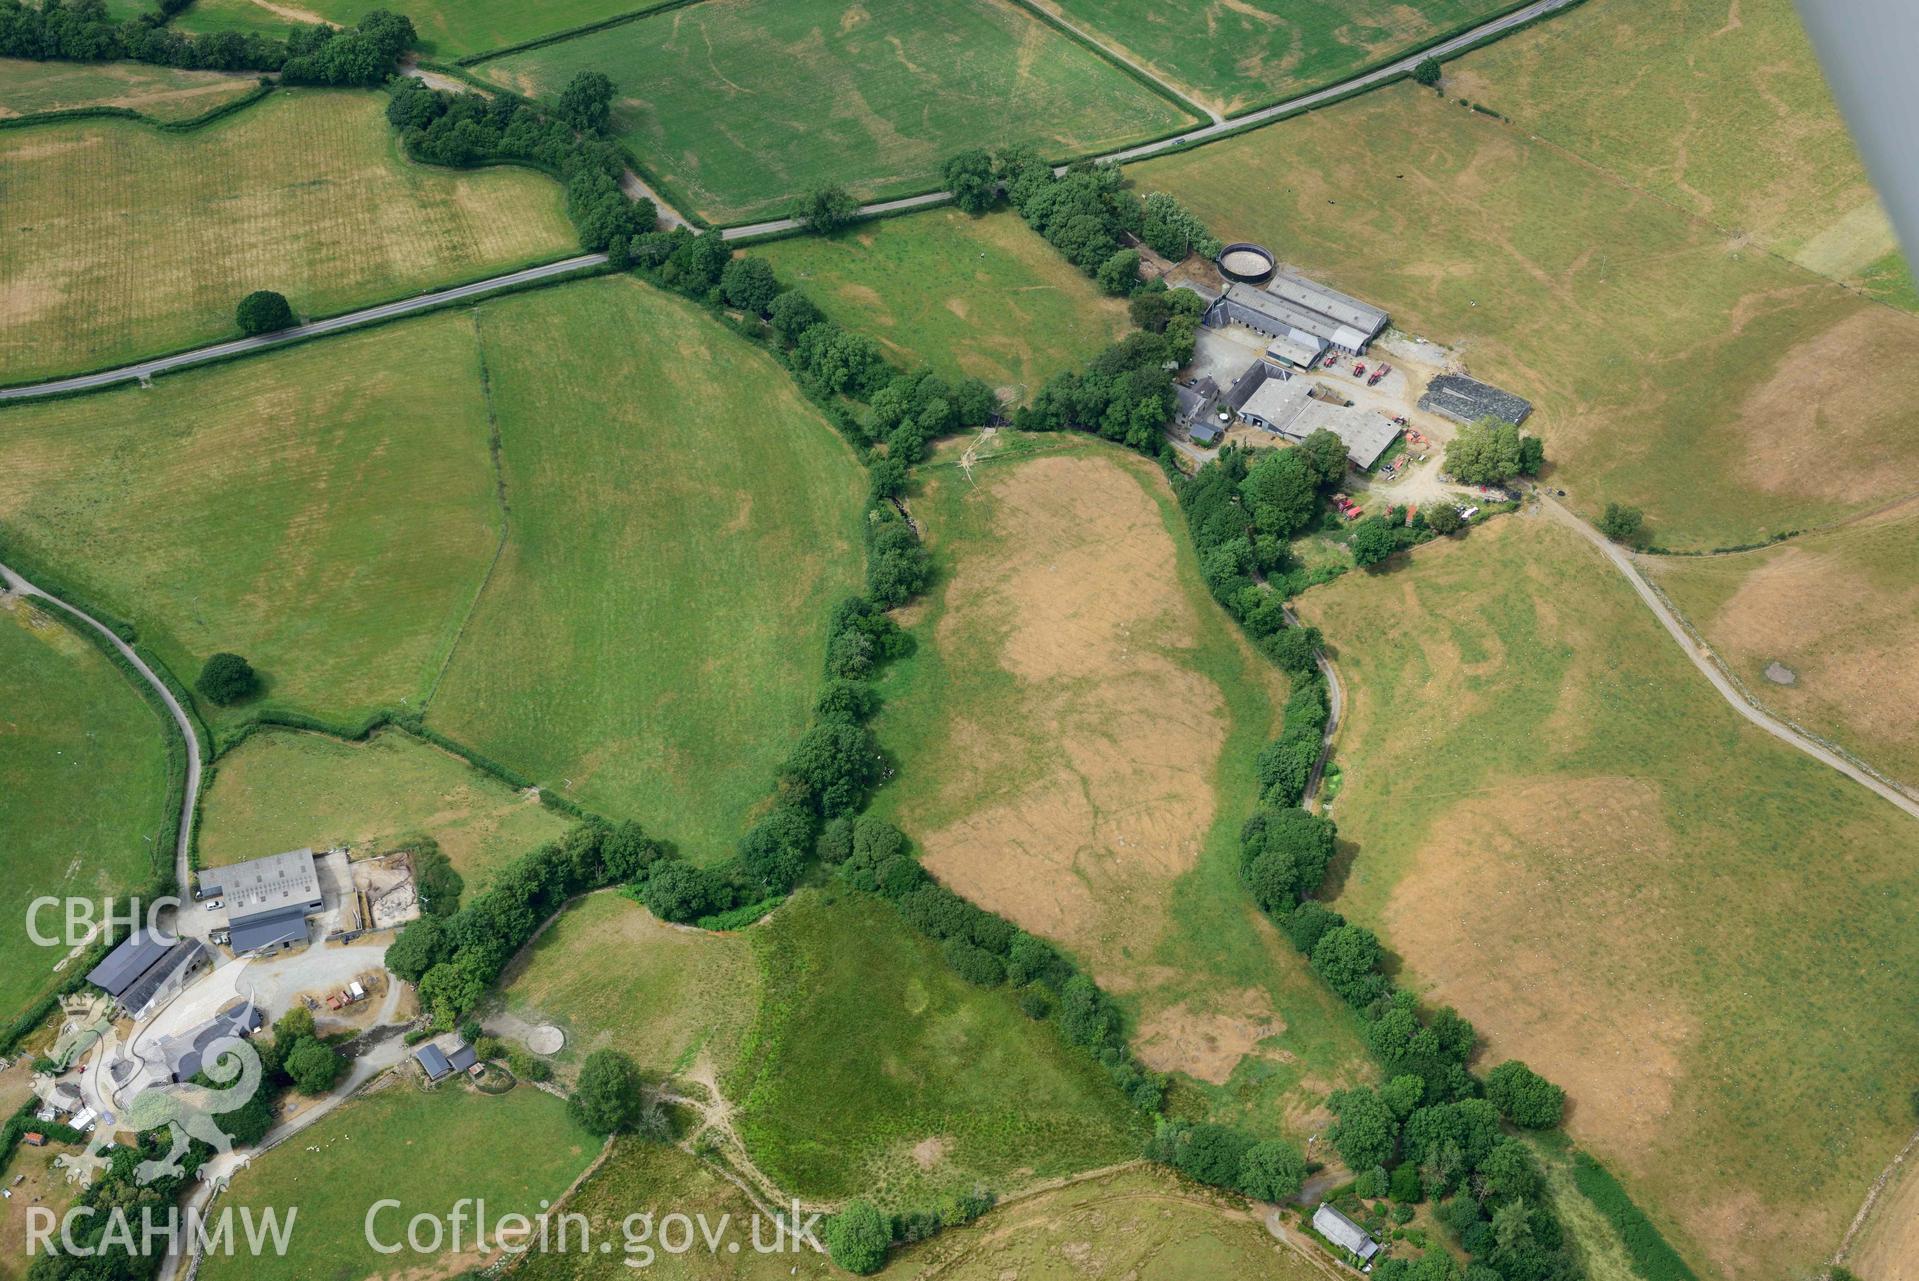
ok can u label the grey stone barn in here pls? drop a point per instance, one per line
(1300, 318)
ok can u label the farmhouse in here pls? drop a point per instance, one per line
(1467, 400)
(1301, 318)
(1272, 399)
(1344, 1233)
(146, 969)
(189, 1053)
(438, 1064)
(1196, 402)
(268, 900)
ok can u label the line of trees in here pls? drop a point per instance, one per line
(84, 31)
(467, 129)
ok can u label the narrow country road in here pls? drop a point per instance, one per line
(147, 369)
(1779, 730)
(21, 587)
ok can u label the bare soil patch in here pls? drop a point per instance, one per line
(1887, 1249)
(1084, 847)
(1536, 936)
(1207, 1044)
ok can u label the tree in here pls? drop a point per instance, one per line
(857, 1238)
(1118, 276)
(792, 314)
(313, 1066)
(1621, 524)
(969, 176)
(1524, 1097)
(826, 210)
(678, 891)
(587, 102)
(1442, 518)
(1365, 1129)
(832, 766)
(1427, 72)
(1295, 648)
(1373, 540)
(1512, 1225)
(422, 944)
(1485, 452)
(1509, 1170)
(1272, 1170)
(749, 284)
(227, 679)
(1282, 492)
(263, 312)
(776, 849)
(1347, 957)
(1327, 454)
(606, 1100)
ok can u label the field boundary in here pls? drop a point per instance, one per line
(68, 114)
(569, 33)
(1138, 73)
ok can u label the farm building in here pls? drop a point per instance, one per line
(1467, 400)
(147, 969)
(1196, 403)
(189, 1053)
(433, 1061)
(1271, 399)
(268, 899)
(1344, 1233)
(1301, 318)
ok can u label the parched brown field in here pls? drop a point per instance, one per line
(1887, 1247)
(1560, 828)
(1840, 609)
(162, 93)
(1077, 738)
(1674, 367)
(122, 241)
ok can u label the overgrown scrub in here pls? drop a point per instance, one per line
(1652, 1256)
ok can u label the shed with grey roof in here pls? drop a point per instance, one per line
(1344, 1233)
(1298, 315)
(433, 1062)
(1274, 401)
(267, 899)
(462, 1058)
(178, 966)
(125, 964)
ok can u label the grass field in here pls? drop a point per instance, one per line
(160, 92)
(83, 787)
(1143, 1222)
(745, 104)
(1076, 738)
(1840, 609)
(327, 511)
(984, 297)
(1702, 934)
(1714, 105)
(1234, 55)
(125, 242)
(448, 28)
(1726, 392)
(642, 1178)
(680, 522)
(280, 790)
(427, 1149)
(874, 1070)
(676, 994)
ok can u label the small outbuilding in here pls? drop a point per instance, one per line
(1467, 400)
(433, 1062)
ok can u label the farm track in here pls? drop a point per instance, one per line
(144, 371)
(190, 799)
(1701, 659)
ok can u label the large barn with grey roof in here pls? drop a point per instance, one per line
(268, 900)
(1300, 318)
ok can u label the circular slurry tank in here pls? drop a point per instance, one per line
(1250, 263)
(546, 1039)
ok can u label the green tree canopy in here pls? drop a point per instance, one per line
(1282, 492)
(969, 176)
(1365, 1130)
(313, 1066)
(1621, 524)
(857, 1238)
(227, 679)
(263, 312)
(1524, 1097)
(826, 210)
(606, 1099)
(587, 102)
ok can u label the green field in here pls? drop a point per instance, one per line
(680, 522)
(283, 789)
(1673, 368)
(161, 93)
(873, 1070)
(984, 297)
(643, 1178)
(676, 995)
(1703, 935)
(1721, 111)
(1840, 610)
(123, 242)
(427, 1149)
(1234, 55)
(1076, 736)
(327, 511)
(744, 104)
(83, 787)
(448, 28)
